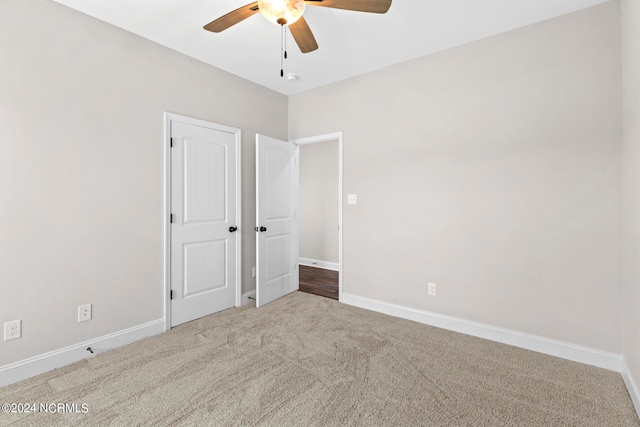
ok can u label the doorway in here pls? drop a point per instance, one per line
(320, 214)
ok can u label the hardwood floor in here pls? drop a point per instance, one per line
(319, 281)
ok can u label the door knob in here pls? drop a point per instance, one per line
(263, 229)
(233, 228)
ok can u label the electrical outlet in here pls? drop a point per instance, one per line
(13, 330)
(432, 289)
(253, 272)
(352, 199)
(84, 313)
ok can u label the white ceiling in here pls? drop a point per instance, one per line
(350, 43)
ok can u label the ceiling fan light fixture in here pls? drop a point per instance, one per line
(281, 12)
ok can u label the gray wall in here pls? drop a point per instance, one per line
(493, 170)
(319, 201)
(81, 169)
(631, 183)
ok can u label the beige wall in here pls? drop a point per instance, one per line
(493, 170)
(319, 201)
(631, 183)
(81, 169)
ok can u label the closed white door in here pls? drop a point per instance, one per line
(276, 217)
(204, 217)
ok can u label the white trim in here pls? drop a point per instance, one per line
(632, 388)
(247, 297)
(564, 350)
(323, 138)
(239, 218)
(168, 117)
(327, 265)
(166, 236)
(36, 365)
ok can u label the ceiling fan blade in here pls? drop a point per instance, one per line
(303, 36)
(373, 6)
(232, 18)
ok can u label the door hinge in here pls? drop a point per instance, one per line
(171, 142)
(170, 294)
(171, 219)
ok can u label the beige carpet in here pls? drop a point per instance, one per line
(310, 361)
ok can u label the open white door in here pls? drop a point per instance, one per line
(276, 219)
(205, 219)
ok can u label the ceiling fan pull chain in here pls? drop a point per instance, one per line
(285, 42)
(282, 55)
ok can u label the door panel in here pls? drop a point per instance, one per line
(204, 267)
(276, 204)
(205, 180)
(278, 183)
(203, 205)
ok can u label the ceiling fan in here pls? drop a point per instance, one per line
(289, 13)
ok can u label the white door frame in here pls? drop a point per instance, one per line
(168, 117)
(324, 138)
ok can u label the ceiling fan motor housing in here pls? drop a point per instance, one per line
(281, 12)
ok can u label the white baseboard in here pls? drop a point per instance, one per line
(33, 366)
(577, 353)
(320, 264)
(248, 297)
(632, 388)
